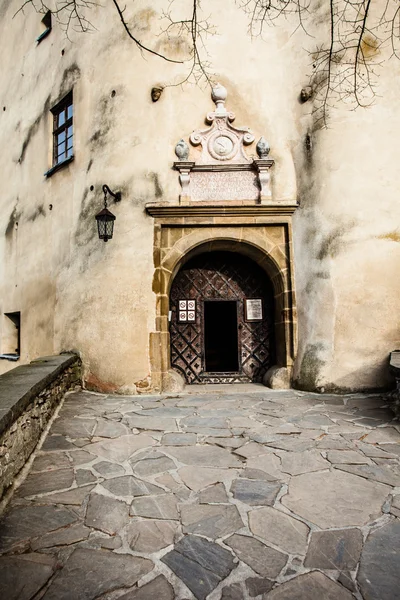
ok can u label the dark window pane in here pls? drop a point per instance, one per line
(69, 111)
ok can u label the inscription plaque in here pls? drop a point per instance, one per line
(253, 309)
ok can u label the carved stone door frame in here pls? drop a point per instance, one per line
(263, 233)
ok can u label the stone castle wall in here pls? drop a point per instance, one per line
(76, 293)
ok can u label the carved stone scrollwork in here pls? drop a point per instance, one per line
(214, 175)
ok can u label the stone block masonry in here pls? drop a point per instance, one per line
(29, 396)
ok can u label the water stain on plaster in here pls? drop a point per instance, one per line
(104, 121)
(69, 78)
(158, 191)
(333, 243)
(142, 19)
(37, 212)
(369, 46)
(393, 236)
(13, 219)
(310, 368)
(33, 129)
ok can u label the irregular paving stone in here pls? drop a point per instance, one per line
(22, 576)
(23, 523)
(374, 451)
(395, 507)
(151, 466)
(346, 580)
(205, 456)
(349, 457)
(335, 498)
(162, 411)
(333, 442)
(83, 476)
(106, 514)
(214, 494)
(151, 423)
(75, 496)
(155, 507)
(252, 449)
(151, 535)
(379, 571)
(292, 444)
(70, 535)
(229, 442)
(74, 428)
(296, 463)
(205, 423)
(169, 482)
(205, 432)
(311, 421)
(381, 474)
(108, 469)
(255, 492)
(111, 543)
(80, 457)
(336, 549)
(280, 529)
(261, 558)
(158, 589)
(392, 448)
(311, 586)
(129, 486)
(179, 439)
(197, 479)
(256, 586)
(383, 435)
(89, 573)
(269, 463)
(122, 448)
(48, 481)
(110, 429)
(200, 564)
(50, 462)
(213, 521)
(232, 592)
(255, 474)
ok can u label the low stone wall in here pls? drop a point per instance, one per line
(29, 396)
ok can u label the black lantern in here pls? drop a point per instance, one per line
(105, 219)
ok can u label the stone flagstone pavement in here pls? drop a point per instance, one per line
(261, 495)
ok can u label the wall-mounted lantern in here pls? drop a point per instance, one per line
(105, 219)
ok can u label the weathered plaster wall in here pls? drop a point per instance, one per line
(77, 293)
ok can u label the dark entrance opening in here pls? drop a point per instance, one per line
(221, 336)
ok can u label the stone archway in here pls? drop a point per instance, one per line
(222, 319)
(268, 245)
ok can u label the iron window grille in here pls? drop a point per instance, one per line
(63, 130)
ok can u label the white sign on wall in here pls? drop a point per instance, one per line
(253, 309)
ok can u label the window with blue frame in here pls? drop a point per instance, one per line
(63, 147)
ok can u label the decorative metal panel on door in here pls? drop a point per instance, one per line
(221, 276)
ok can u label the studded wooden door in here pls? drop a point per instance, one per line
(221, 276)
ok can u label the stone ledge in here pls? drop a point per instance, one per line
(21, 385)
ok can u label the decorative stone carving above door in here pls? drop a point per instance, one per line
(223, 171)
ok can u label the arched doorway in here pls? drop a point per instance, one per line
(222, 319)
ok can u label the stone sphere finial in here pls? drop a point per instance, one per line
(182, 150)
(219, 95)
(262, 148)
